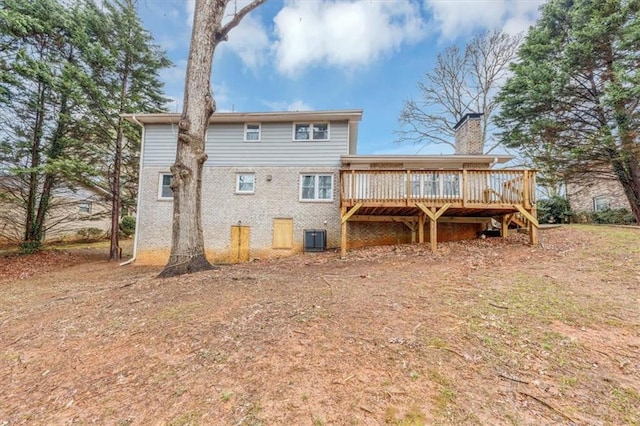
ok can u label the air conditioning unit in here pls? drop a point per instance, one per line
(315, 239)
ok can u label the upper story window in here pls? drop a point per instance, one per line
(84, 207)
(600, 203)
(311, 131)
(245, 183)
(316, 187)
(164, 188)
(252, 132)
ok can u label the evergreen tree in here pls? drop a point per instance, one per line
(573, 101)
(123, 66)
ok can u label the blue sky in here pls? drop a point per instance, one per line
(332, 54)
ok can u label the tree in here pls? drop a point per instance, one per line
(41, 99)
(123, 65)
(572, 103)
(461, 82)
(187, 242)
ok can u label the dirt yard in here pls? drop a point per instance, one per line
(483, 332)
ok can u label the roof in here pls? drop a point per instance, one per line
(426, 160)
(244, 117)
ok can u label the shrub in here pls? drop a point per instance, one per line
(613, 217)
(554, 210)
(128, 226)
(90, 234)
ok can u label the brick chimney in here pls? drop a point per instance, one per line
(468, 133)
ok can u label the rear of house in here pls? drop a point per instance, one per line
(269, 178)
(281, 182)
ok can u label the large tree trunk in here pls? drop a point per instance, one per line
(114, 249)
(187, 243)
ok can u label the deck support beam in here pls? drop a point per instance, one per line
(344, 218)
(421, 219)
(433, 215)
(506, 219)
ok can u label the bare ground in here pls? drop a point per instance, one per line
(482, 332)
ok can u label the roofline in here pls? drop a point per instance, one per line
(366, 159)
(244, 117)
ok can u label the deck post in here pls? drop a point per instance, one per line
(506, 218)
(433, 231)
(343, 234)
(533, 228)
(421, 218)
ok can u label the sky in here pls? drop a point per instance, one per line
(296, 55)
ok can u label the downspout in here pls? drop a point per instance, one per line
(135, 234)
(493, 163)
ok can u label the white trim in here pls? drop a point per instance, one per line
(316, 188)
(310, 124)
(161, 176)
(246, 126)
(253, 184)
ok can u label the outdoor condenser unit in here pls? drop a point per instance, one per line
(315, 239)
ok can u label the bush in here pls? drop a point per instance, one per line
(128, 226)
(554, 210)
(90, 234)
(613, 217)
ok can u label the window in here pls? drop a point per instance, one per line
(165, 192)
(600, 203)
(316, 187)
(252, 132)
(311, 131)
(435, 185)
(245, 183)
(84, 207)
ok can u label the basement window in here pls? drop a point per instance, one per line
(600, 203)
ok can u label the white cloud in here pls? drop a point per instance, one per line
(249, 40)
(461, 18)
(297, 105)
(345, 34)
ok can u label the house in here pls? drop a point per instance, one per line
(277, 183)
(74, 212)
(589, 195)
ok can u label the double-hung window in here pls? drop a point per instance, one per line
(245, 183)
(311, 131)
(316, 187)
(84, 207)
(600, 203)
(252, 132)
(164, 191)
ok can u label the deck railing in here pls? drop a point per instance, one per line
(458, 187)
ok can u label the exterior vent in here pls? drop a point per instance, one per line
(315, 240)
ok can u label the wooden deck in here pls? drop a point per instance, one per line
(415, 196)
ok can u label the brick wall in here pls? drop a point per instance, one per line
(581, 197)
(277, 193)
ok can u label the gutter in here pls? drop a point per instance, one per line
(135, 235)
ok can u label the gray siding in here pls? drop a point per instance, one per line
(226, 146)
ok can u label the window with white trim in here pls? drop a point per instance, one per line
(252, 132)
(245, 183)
(311, 131)
(600, 203)
(164, 191)
(316, 187)
(84, 207)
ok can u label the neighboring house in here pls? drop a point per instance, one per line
(72, 212)
(277, 183)
(597, 194)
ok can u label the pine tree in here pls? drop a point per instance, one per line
(572, 103)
